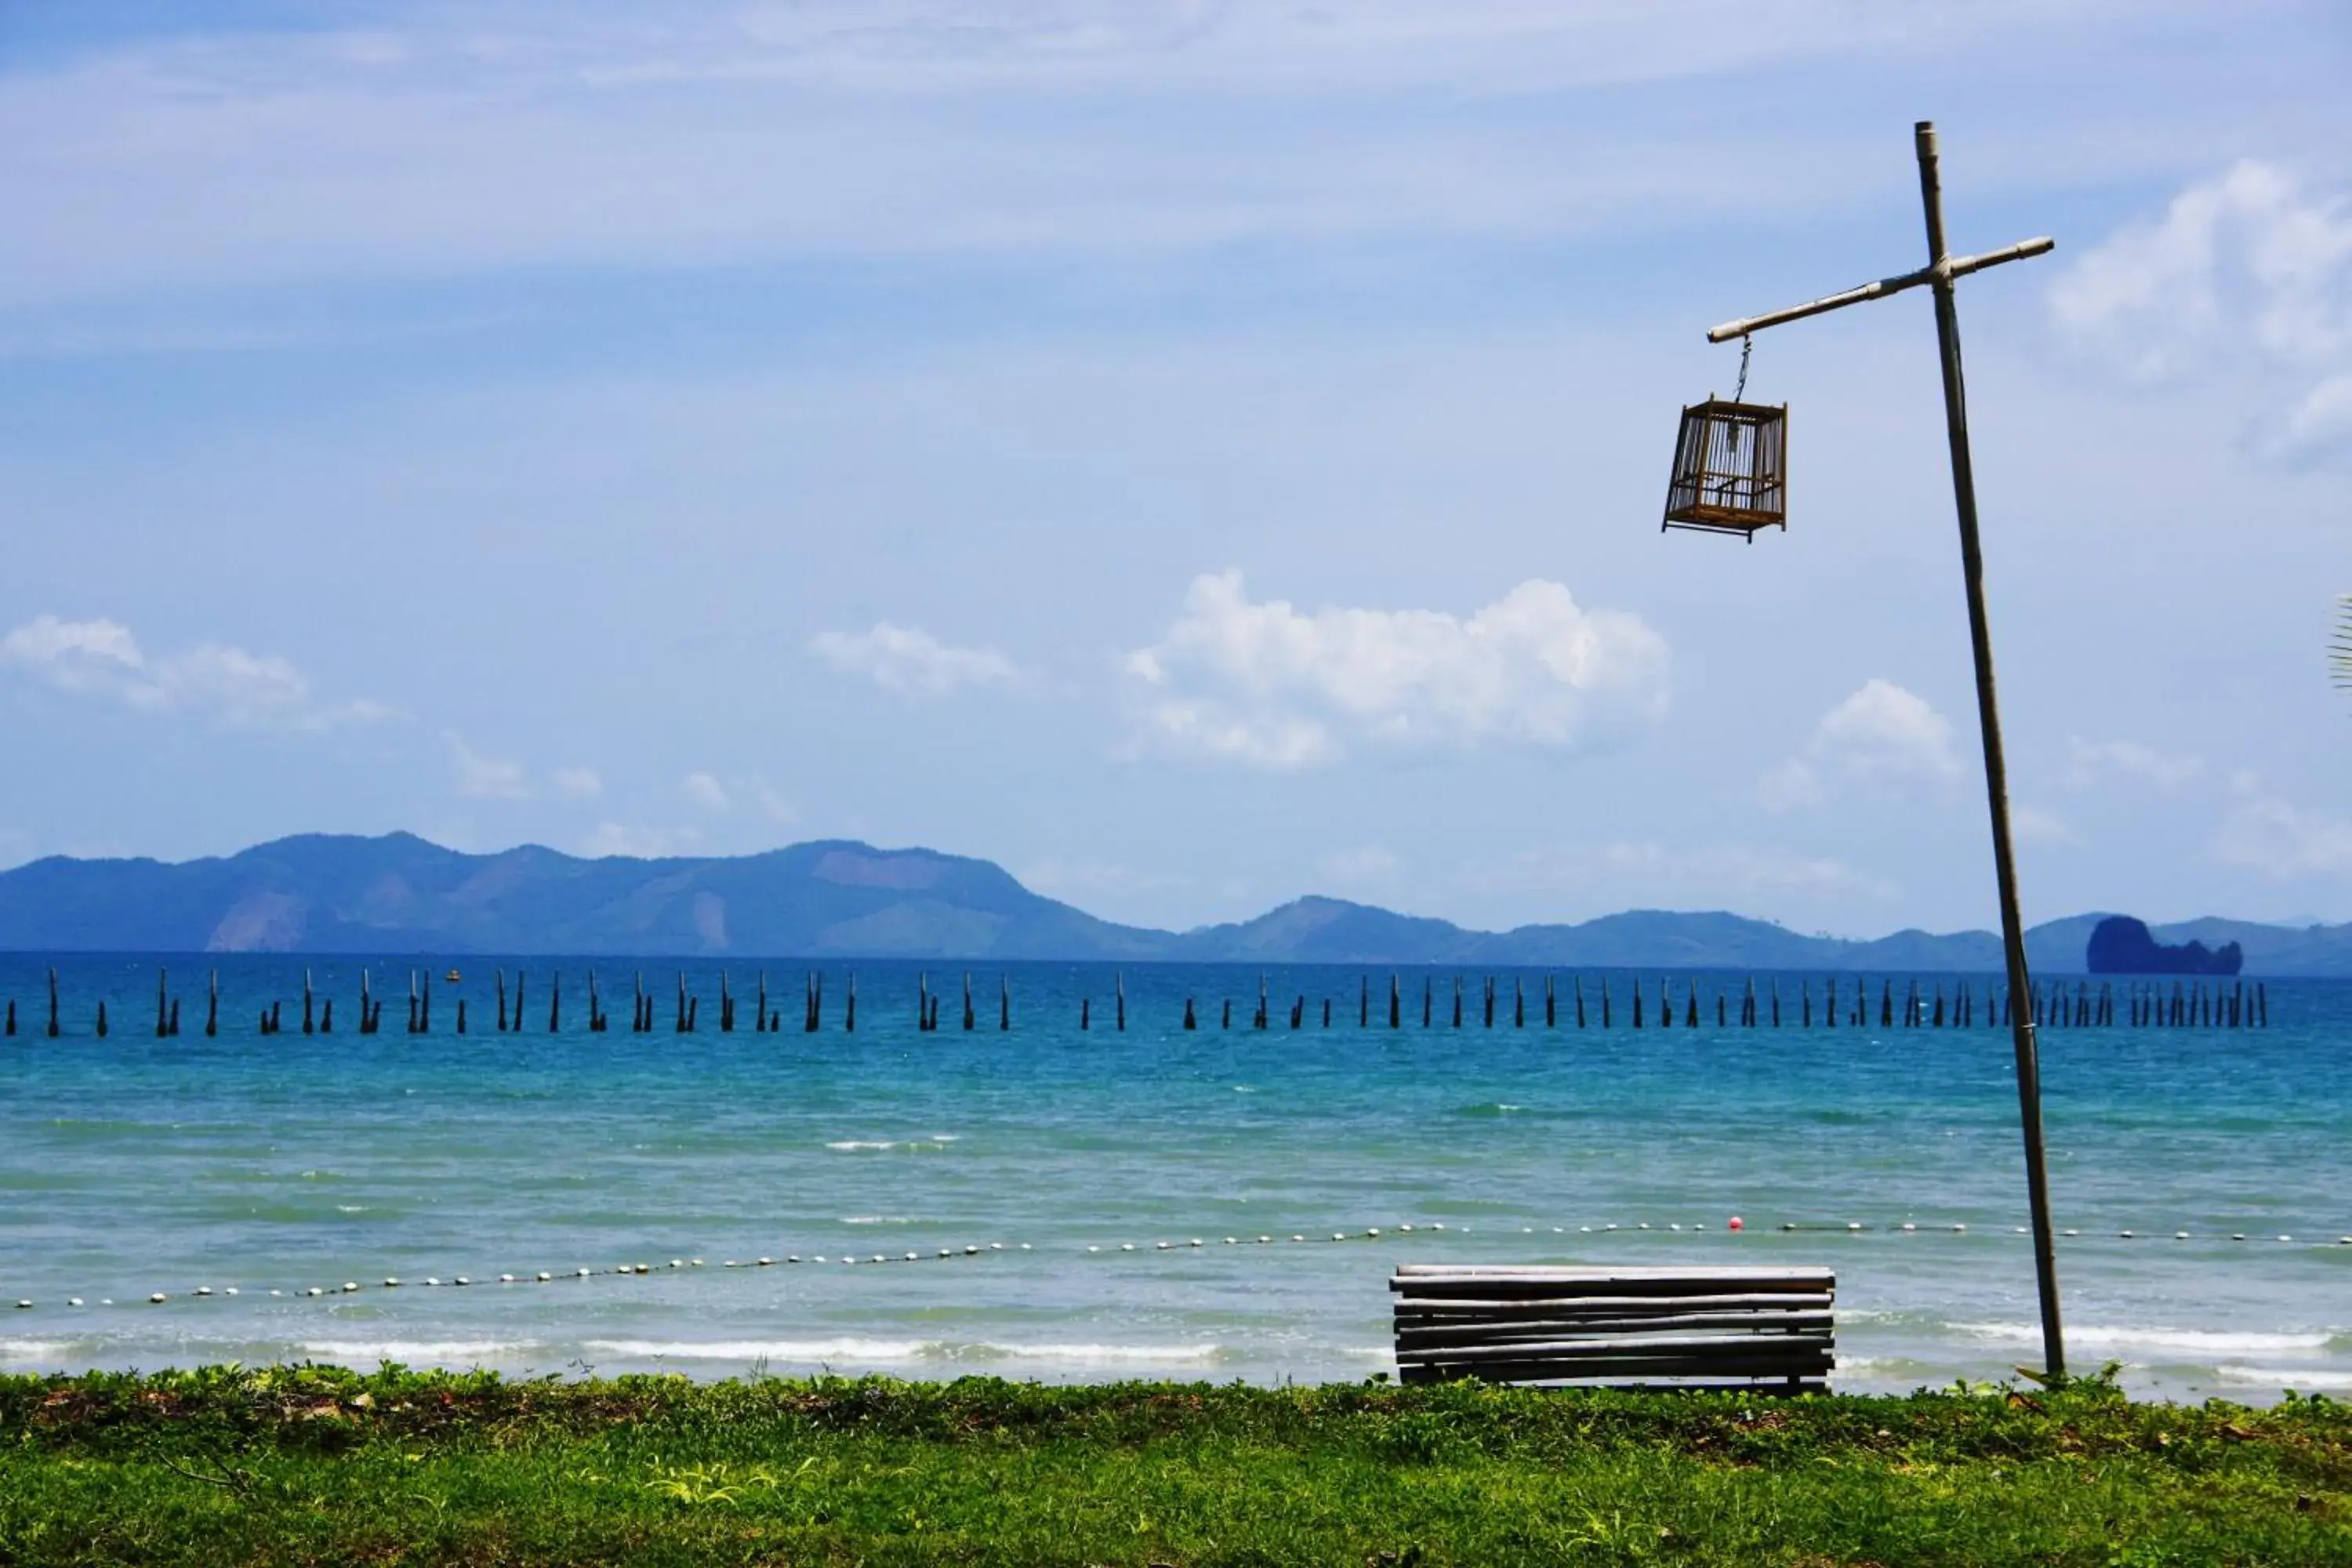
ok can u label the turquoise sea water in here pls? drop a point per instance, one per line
(271, 1165)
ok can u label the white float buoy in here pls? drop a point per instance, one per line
(1584, 1230)
(943, 1251)
(1196, 1241)
(313, 1291)
(582, 1274)
(506, 1279)
(230, 1291)
(22, 1305)
(996, 1246)
(201, 1290)
(1127, 1246)
(1406, 1228)
(1907, 1225)
(73, 1300)
(431, 1279)
(677, 1263)
(1263, 1240)
(349, 1286)
(1163, 1245)
(910, 1258)
(2123, 1236)
(766, 1261)
(1230, 1242)
(2071, 1232)
(542, 1275)
(2180, 1236)
(159, 1297)
(818, 1258)
(972, 1251)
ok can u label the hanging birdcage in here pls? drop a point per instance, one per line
(1731, 468)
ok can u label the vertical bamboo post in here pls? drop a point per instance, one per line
(1996, 763)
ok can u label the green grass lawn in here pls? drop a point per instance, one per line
(317, 1465)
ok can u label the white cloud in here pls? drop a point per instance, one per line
(1881, 736)
(2090, 764)
(1647, 874)
(748, 791)
(640, 843)
(101, 658)
(2281, 840)
(911, 662)
(2318, 426)
(2250, 267)
(485, 778)
(510, 135)
(577, 783)
(1367, 865)
(2033, 825)
(1264, 684)
(1885, 731)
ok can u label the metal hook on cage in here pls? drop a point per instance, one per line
(1747, 347)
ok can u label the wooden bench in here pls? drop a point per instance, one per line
(1770, 1329)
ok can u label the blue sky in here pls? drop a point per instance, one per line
(1193, 453)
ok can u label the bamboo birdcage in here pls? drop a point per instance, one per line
(1731, 468)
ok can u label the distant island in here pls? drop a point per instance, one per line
(839, 899)
(2122, 945)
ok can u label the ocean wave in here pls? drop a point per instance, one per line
(879, 1145)
(37, 1352)
(2288, 1376)
(856, 1348)
(876, 1219)
(2129, 1337)
(417, 1352)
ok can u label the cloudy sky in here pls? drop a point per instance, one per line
(1194, 454)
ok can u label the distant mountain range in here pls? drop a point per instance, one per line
(838, 899)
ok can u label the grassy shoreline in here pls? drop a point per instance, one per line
(320, 1465)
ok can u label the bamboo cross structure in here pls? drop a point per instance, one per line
(1942, 272)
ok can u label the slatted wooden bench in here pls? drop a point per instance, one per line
(1767, 1328)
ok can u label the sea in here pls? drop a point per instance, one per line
(1069, 1200)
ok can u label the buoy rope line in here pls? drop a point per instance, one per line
(1185, 1246)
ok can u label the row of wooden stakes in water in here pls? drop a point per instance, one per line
(2145, 1006)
